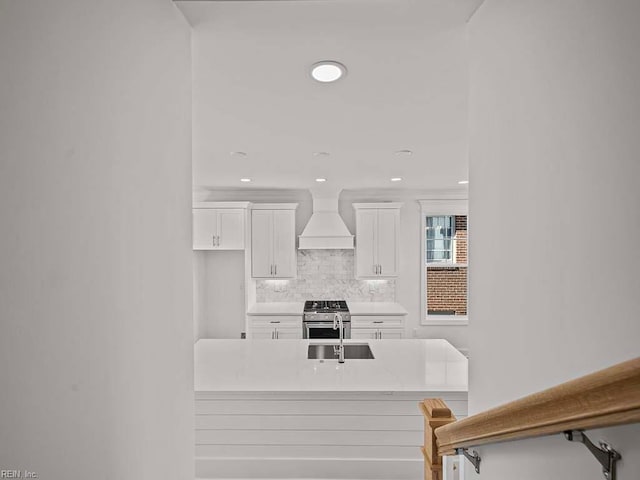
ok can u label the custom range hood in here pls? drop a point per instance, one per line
(326, 229)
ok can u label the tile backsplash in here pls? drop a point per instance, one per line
(326, 275)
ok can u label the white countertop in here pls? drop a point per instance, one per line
(355, 308)
(415, 365)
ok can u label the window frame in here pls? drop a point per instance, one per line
(433, 208)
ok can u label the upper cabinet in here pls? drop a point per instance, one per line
(219, 225)
(377, 239)
(273, 240)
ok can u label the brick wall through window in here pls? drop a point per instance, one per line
(447, 286)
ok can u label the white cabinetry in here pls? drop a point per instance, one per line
(377, 327)
(263, 327)
(219, 225)
(377, 239)
(273, 240)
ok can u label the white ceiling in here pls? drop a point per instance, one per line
(406, 88)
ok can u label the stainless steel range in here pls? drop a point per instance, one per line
(319, 315)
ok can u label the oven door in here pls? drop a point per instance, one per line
(320, 330)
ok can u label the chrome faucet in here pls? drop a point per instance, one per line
(337, 323)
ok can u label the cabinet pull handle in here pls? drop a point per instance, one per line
(380, 269)
(380, 332)
(270, 269)
(272, 335)
(275, 321)
(277, 336)
(275, 269)
(378, 321)
(218, 240)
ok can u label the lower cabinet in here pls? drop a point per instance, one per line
(262, 327)
(377, 328)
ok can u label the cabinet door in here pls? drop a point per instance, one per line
(284, 243)
(387, 233)
(205, 228)
(263, 333)
(288, 333)
(231, 229)
(366, 227)
(364, 333)
(391, 333)
(261, 243)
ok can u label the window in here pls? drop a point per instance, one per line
(444, 262)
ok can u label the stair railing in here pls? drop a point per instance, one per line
(605, 398)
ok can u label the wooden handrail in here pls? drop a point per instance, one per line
(605, 398)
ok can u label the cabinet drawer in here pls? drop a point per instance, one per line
(275, 333)
(373, 321)
(258, 321)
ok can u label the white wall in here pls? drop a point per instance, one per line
(555, 109)
(199, 297)
(95, 285)
(223, 294)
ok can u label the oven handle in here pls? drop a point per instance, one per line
(327, 324)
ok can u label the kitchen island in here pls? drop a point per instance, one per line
(263, 410)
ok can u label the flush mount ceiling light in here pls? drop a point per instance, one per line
(321, 154)
(328, 71)
(403, 153)
(320, 180)
(396, 179)
(463, 182)
(238, 154)
(245, 180)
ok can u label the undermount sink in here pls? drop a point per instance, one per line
(352, 351)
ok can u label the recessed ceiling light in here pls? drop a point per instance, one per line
(245, 180)
(404, 152)
(396, 179)
(321, 154)
(320, 180)
(463, 182)
(328, 71)
(238, 154)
